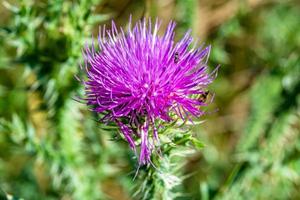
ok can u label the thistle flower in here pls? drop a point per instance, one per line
(138, 79)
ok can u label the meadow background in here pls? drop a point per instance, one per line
(52, 147)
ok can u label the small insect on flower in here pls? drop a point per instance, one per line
(176, 57)
(132, 81)
(203, 97)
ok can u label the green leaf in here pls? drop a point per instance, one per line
(197, 143)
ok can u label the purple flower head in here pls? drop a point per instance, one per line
(138, 79)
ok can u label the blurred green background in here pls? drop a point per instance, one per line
(51, 147)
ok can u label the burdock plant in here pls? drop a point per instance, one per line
(142, 81)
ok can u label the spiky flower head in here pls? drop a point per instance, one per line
(138, 79)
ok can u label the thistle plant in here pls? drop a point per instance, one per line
(51, 148)
(142, 81)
